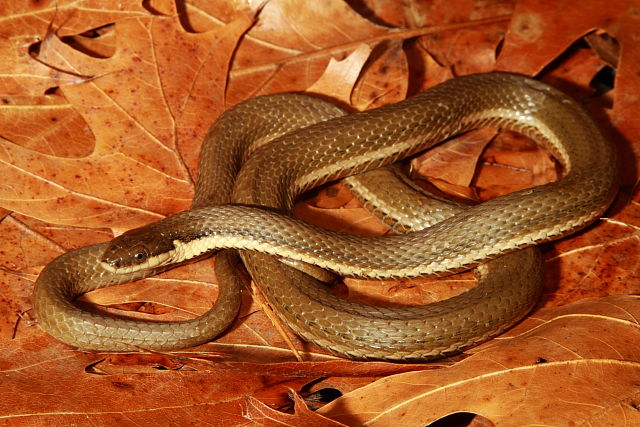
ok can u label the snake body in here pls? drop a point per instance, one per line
(333, 149)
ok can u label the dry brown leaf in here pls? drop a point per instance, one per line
(48, 383)
(340, 76)
(284, 53)
(575, 364)
(104, 109)
(451, 167)
(141, 187)
(265, 416)
(147, 389)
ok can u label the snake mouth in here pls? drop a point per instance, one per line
(133, 260)
(120, 266)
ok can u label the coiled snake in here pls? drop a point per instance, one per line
(327, 151)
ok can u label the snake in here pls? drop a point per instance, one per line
(247, 204)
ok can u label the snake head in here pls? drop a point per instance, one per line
(138, 249)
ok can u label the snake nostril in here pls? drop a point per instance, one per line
(111, 261)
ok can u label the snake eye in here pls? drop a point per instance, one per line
(140, 255)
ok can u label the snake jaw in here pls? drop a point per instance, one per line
(144, 249)
(126, 259)
(118, 266)
(140, 249)
(123, 256)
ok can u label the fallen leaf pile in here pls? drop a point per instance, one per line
(105, 105)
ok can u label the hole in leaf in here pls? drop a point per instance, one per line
(34, 49)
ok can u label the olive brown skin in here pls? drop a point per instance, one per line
(275, 174)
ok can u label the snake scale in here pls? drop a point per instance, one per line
(266, 184)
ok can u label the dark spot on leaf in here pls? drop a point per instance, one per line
(120, 384)
(332, 192)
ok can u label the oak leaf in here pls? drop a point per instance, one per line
(104, 110)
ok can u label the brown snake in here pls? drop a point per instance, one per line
(331, 150)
